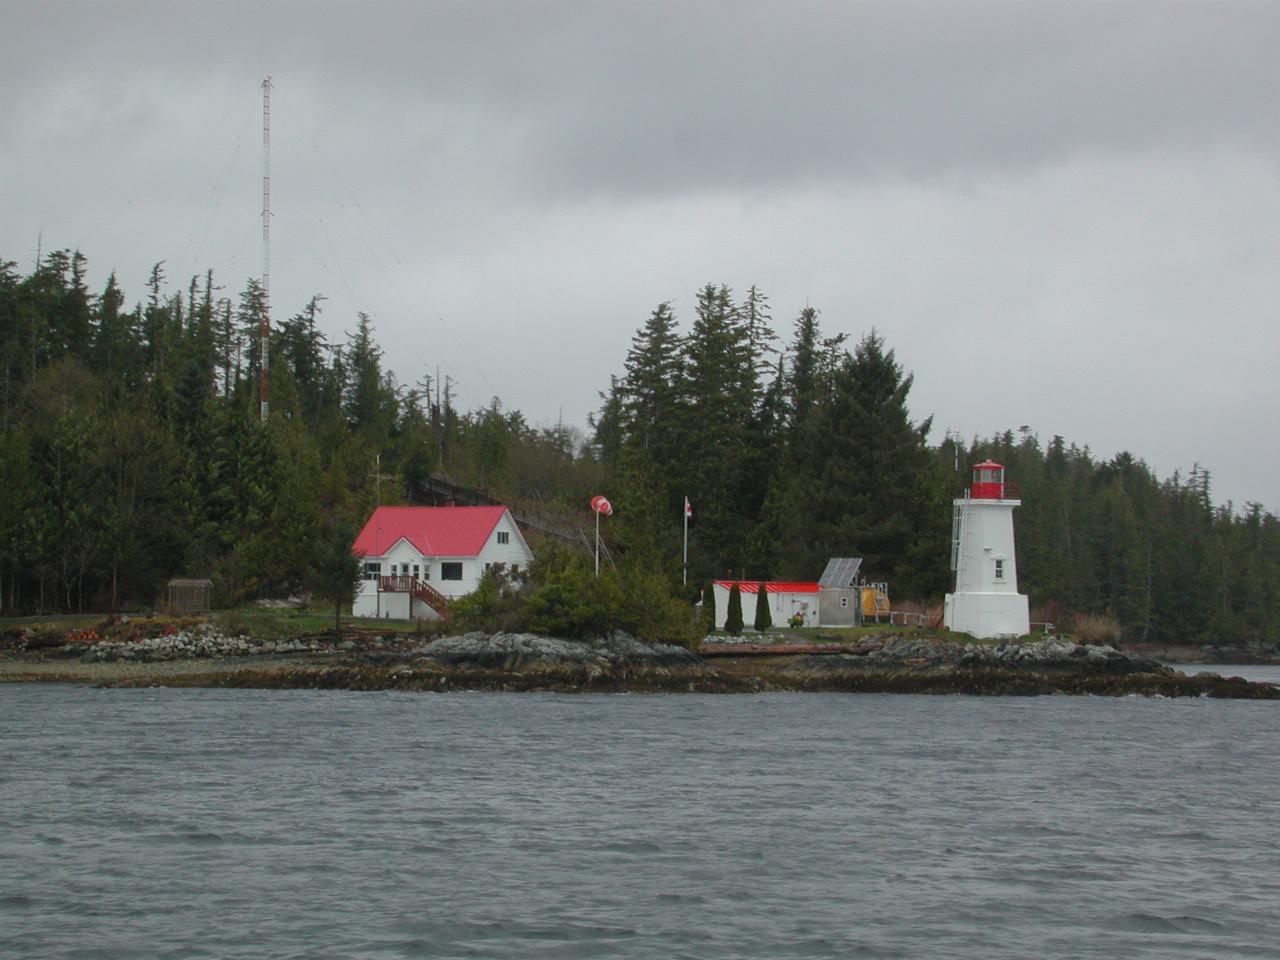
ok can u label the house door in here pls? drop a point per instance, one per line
(415, 571)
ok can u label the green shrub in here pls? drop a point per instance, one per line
(494, 606)
(652, 612)
(566, 599)
(562, 596)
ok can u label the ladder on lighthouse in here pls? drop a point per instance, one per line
(957, 532)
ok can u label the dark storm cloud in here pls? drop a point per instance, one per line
(639, 97)
(752, 96)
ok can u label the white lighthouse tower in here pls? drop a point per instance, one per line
(986, 602)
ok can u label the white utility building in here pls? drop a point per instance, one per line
(785, 600)
(986, 602)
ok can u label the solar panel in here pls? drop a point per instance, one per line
(840, 572)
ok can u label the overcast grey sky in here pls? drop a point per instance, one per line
(1062, 215)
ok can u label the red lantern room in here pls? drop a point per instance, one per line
(988, 481)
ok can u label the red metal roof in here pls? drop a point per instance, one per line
(770, 586)
(433, 531)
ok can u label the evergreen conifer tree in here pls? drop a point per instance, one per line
(764, 616)
(733, 618)
(650, 388)
(718, 386)
(338, 571)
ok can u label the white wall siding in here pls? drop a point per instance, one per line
(366, 603)
(370, 603)
(782, 604)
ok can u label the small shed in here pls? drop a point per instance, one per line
(839, 596)
(187, 597)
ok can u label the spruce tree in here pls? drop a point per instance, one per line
(782, 543)
(300, 350)
(114, 342)
(650, 388)
(756, 317)
(365, 400)
(868, 484)
(718, 385)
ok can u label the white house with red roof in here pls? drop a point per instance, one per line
(418, 558)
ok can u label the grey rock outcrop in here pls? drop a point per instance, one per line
(1050, 655)
(515, 652)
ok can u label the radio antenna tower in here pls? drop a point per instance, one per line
(264, 327)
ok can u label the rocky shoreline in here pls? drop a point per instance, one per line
(896, 663)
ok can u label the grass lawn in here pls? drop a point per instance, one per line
(253, 621)
(271, 624)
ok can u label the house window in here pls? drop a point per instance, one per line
(999, 569)
(372, 571)
(504, 536)
(451, 571)
(844, 603)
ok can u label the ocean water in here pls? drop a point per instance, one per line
(247, 824)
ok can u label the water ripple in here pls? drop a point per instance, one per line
(244, 824)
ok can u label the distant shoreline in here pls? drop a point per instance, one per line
(1192, 655)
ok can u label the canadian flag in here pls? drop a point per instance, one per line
(688, 508)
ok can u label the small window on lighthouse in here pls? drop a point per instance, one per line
(999, 569)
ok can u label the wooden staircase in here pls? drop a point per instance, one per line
(419, 589)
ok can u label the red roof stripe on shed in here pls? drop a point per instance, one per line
(432, 531)
(770, 586)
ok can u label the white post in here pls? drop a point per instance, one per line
(685, 580)
(597, 543)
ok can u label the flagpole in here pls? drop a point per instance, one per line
(686, 541)
(600, 505)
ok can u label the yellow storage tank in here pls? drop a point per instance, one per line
(875, 601)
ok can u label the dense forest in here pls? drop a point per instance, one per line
(132, 452)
